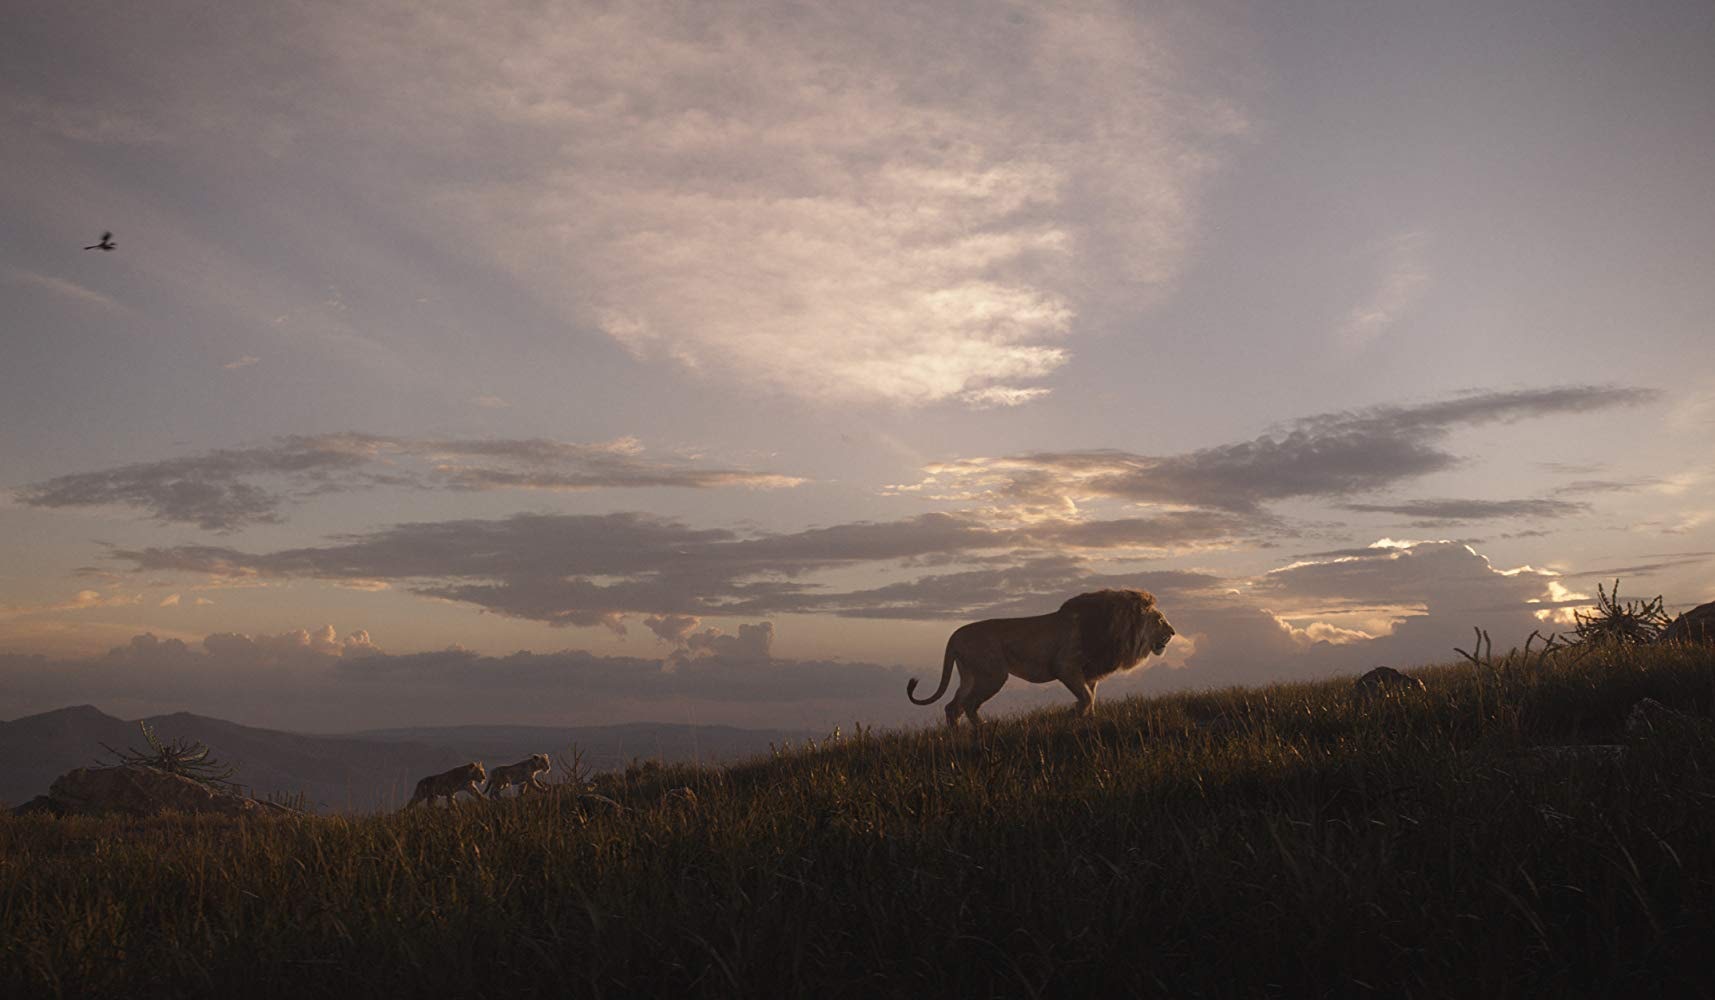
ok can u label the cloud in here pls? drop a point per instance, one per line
(584, 570)
(871, 204)
(1397, 602)
(1584, 486)
(63, 287)
(846, 204)
(1472, 510)
(83, 600)
(595, 569)
(752, 642)
(320, 680)
(231, 488)
(104, 124)
(672, 628)
(244, 362)
(1673, 561)
(1401, 282)
(1443, 576)
(1327, 455)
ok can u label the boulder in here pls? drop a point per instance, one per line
(1694, 626)
(1381, 681)
(139, 791)
(1651, 718)
(1534, 762)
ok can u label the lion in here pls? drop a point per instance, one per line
(523, 774)
(464, 778)
(1091, 636)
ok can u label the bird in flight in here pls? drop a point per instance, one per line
(105, 244)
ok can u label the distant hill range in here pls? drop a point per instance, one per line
(355, 772)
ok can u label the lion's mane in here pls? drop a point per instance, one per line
(1113, 628)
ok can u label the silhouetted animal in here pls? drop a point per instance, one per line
(105, 244)
(523, 774)
(464, 778)
(1090, 637)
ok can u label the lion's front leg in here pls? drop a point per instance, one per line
(1082, 690)
(1069, 669)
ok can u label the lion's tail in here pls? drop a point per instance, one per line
(946, 675)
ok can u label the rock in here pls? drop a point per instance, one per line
(1382, 681)
(1534, 761)
(40, 804)
(1696, 626)
(1651, 718)
(140, 791)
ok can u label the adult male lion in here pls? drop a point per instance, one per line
(1090, 637)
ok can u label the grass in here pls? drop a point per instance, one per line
(1248, 842)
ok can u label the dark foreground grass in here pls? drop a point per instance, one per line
(1241, 843)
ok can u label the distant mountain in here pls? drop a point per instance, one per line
(357, 772)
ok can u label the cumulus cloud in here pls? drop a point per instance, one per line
(230, 488)
(1395, 603)
(672, 628)
(753, 642)
(1442, 576)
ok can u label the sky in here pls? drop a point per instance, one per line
(569, 363)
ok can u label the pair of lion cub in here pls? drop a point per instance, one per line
(467, 778)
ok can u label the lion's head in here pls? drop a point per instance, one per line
(1117, 629)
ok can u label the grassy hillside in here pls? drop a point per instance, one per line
(1254, 842)
(352, 772)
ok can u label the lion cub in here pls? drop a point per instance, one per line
(464, 778)
(523, 774)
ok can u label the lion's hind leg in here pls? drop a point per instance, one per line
(982, 689)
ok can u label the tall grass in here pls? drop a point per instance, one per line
(1249, 842)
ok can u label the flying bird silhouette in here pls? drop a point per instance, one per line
(105, 244)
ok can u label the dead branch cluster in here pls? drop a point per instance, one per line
(1616, 622)
(1612, 623)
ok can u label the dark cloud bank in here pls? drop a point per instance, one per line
(1329, 455)
(590, 569)
(608, 569)
(1233, 635)
(231, 488)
